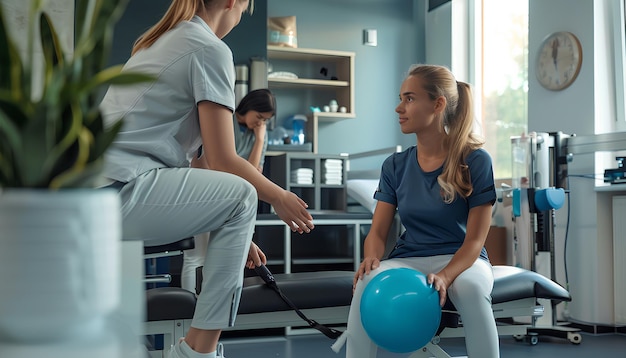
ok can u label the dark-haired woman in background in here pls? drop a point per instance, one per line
(250, 119)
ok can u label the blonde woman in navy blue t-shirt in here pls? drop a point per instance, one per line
(443, 190)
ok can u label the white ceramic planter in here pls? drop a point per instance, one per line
(59, 263)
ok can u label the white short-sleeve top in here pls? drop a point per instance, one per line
(161, 127)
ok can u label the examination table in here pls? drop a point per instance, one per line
(325, 297)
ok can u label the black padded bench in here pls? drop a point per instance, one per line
(325, 297)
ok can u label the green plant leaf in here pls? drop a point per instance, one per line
(51, 46)
(87, 178)
(103, 141)
(113, 76)
(9, 116)
(58, 140)
(105, 14)
(11, 69)
(67, 138)
(83, 142)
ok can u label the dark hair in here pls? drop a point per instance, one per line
(261, 100)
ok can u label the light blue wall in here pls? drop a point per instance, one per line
(570, 110)
(379, 71)
(585, 108)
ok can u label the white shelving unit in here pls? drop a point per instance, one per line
(319, 194)
(284, 248)
(306, 63)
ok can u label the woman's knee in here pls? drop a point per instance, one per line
(471, 287)
(251, 194)
(246, 193)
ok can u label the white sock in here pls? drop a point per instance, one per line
(190, 353)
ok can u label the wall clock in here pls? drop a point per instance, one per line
(559, 60)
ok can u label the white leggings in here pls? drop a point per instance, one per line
(165, 205)
(470, 292)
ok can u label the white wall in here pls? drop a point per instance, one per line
(17, 14)
(587, 107)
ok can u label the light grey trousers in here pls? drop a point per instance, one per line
(470, 292)
(192, 259)
(169, 204)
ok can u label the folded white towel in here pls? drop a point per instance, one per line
(333, 176)
(302, 181)
(333, 161)
(333, 166)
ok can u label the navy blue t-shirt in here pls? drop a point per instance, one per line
(432, 226)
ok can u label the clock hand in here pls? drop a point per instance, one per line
(555, 52)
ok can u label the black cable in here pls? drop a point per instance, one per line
(587, 176)
(569, 198)
(569, 207)
(269, 280)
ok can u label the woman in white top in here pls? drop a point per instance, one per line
(250, 119)
(163, 198)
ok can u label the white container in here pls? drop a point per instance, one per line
(59, 263)
(333, 106)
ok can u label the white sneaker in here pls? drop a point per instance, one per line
(175, 349)
(220, 351)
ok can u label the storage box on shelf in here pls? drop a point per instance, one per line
(312, 87)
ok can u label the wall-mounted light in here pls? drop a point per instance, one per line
(370, 37)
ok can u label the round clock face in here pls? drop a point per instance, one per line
(559, 61)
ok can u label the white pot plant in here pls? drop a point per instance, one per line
(59, 235)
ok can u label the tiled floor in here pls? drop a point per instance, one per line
(316, 346)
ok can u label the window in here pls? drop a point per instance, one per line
(503, 73)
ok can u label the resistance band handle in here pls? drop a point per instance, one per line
(267, 276)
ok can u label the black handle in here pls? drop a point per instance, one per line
(265, 274)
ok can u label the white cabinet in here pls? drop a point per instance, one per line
(336, 82)
(619, 264)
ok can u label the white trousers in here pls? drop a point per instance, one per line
(166, 205)
(470, 292)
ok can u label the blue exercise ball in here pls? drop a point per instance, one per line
(400, 311)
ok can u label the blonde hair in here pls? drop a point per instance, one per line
(179, 10)
(457, 122)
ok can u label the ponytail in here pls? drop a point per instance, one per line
(458, 121)
(179, 10)
(460, 142)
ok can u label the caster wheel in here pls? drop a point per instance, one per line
(532, 338)
(518, 337)
(574, 338)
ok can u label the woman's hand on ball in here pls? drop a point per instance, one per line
(440, 285)
(368, 264)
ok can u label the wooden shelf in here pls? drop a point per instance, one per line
(306, 54)
(305, 82)
(305, 63)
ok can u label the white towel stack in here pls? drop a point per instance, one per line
(302, 176)
(333, 171)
